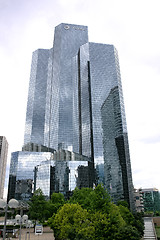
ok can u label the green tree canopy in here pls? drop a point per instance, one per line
(92, 199)
(90, 214)
(72, 222)
(57, 200)
(126, 214)
(38, 206)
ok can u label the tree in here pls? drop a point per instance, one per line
(92, 199)
(56, 202)
(90, 214)
(107, 225)
(134, 222)
(82, 197)
(139, 222)
(126, 214)
(96, 218)
(128, 233)
(38, 206)
(123, 203)
(72, 222)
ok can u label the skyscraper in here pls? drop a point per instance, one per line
(58, 100)
(36, 107)
(3, 163)
(75, 103)
(117, 169)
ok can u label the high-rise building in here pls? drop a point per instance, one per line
(3, 163)
(117, 169)
(75, 102)
(36, 107)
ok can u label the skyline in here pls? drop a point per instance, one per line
(138, 65)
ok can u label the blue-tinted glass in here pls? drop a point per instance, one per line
(22, 173)
(67, 171)
(75, 102)
(36, 106)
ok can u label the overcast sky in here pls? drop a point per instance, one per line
(131, 25)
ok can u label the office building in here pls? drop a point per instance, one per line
(21, 177)
(36, 107)
(151, 199)
(75, 93)
(117, 169)
(33, 147)
(58, 171)
(3, 163)
(63, 173)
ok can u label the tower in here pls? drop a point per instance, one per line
(75, 103)
(36, 106)
(3, 163)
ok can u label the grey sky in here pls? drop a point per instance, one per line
(132, 26)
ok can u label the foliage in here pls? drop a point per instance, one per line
(57, 200)
(157, 213)
(139, 222)
(150, 213)
(93, 200)
(158, 231)
(128, 233)
(40, 209)
(38, 206)
(135, 220)
(123, 203)
(72, 222)
(90, 214)
(81, 196)
(107, 225)
(126, 214)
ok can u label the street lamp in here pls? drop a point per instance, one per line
(21, 220)
(13, 203)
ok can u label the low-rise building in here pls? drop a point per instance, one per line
(151, 199)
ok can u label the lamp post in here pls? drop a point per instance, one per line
(28, 231)
(21, 220)
(13, 203)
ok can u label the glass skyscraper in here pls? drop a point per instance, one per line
(36, 107)
(70, 106)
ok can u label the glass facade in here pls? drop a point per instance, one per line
(33, 147)
(151, 199)
(21, 177)
(117, 170)
(104, 77)
(36, 106)
(64, 95)
(63, 173)
(70, 106)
